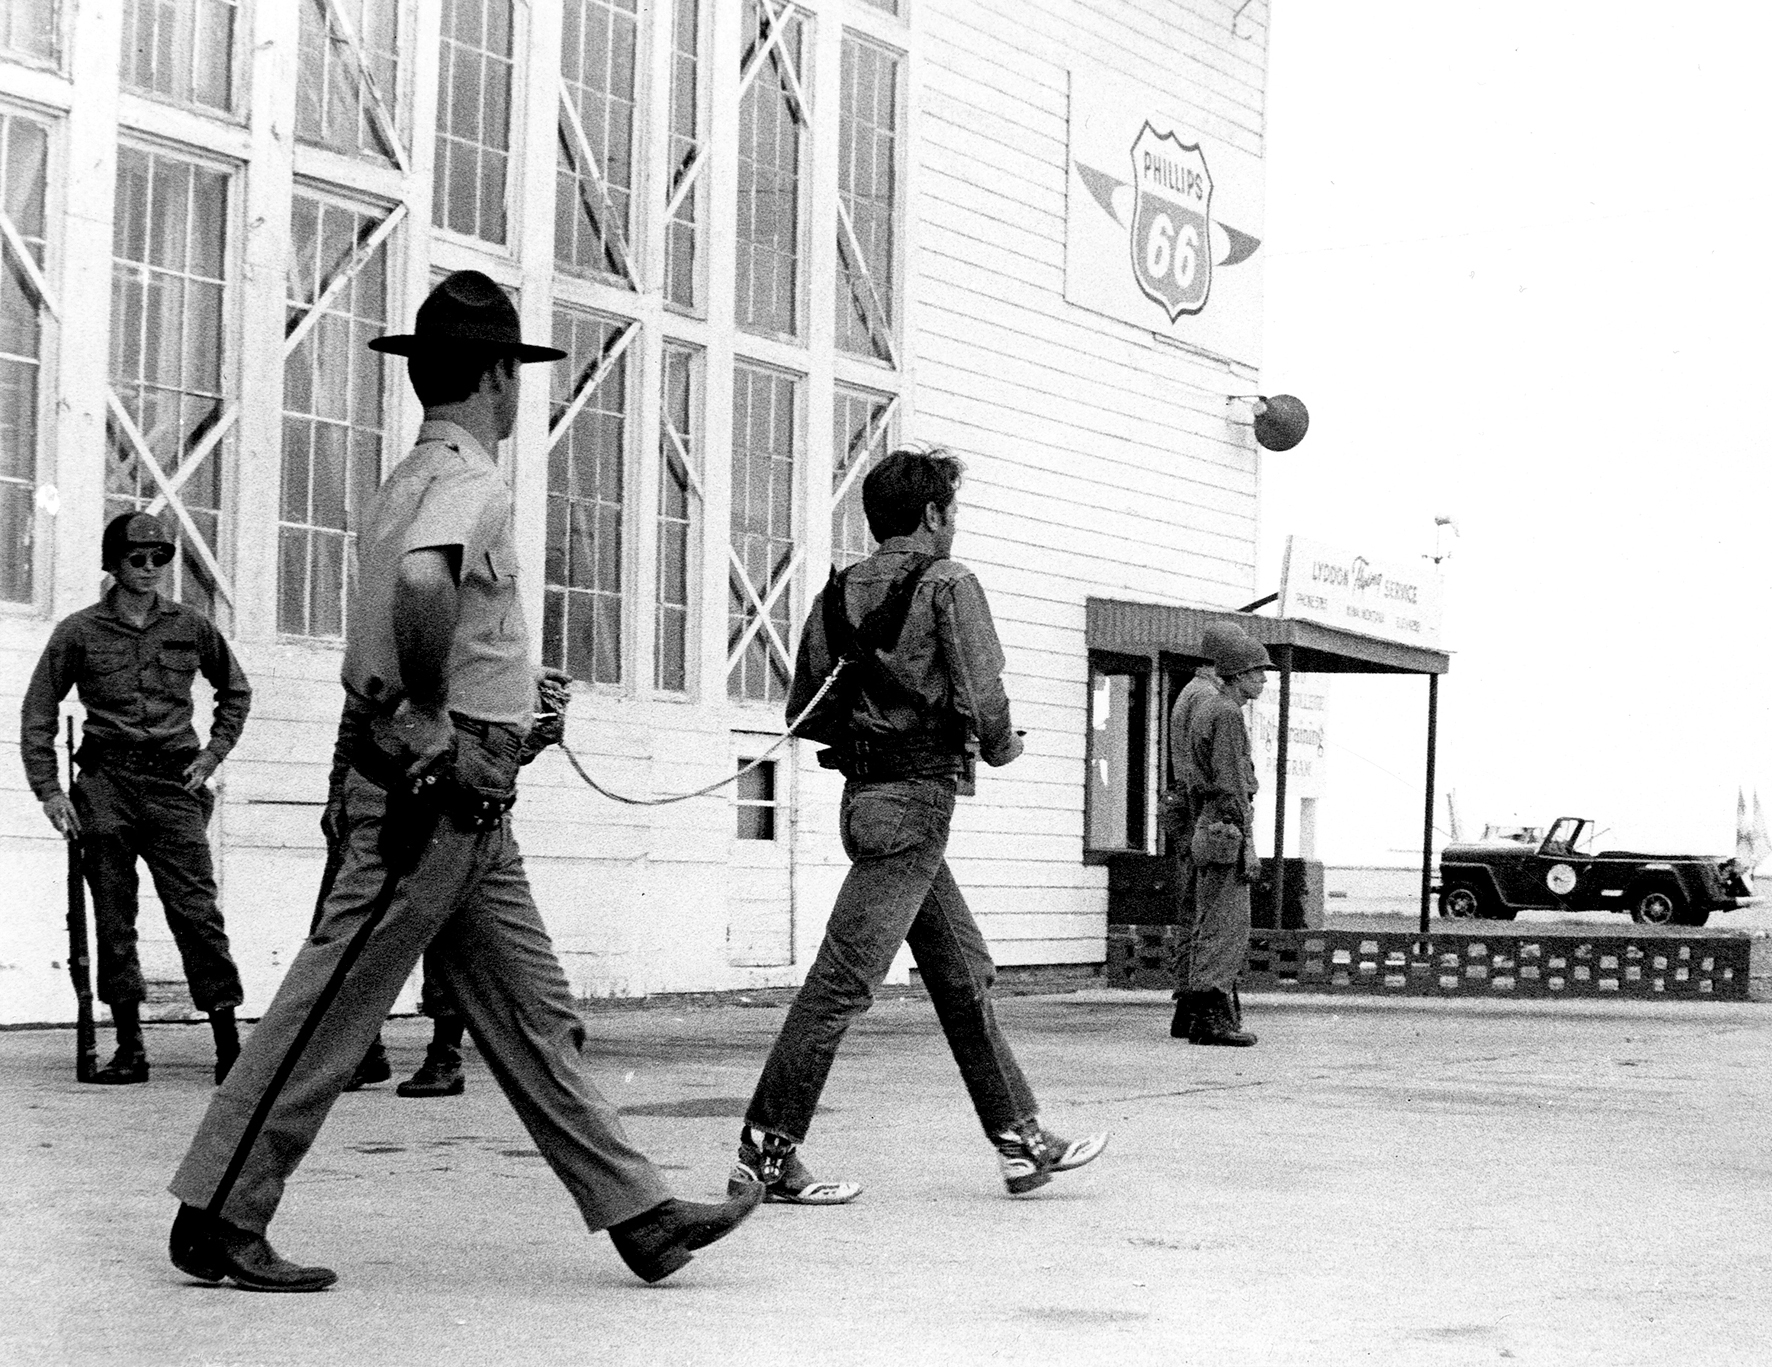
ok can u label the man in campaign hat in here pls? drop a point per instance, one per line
(1216, 778)
(439, 700)
(143, 789)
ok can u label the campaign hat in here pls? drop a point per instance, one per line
(466, 310)
(128, 530)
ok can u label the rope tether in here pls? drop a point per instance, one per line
(781, 740)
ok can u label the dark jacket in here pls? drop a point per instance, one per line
(1213, 765)
(947, 667)
(135, 684)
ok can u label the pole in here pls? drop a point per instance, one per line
(1427, 819)
(1281, 764)
(79, 950)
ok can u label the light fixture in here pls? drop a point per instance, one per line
(1280, 420)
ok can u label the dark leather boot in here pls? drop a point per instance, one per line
(212, 1250)
(440, 1073)
(659, 1241)
(227, 1041)
(1214, 1023)
(372, 1068)
(130, 1063)
(1186, 1007)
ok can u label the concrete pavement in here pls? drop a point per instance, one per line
(1378, 1182)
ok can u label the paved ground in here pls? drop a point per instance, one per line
(1379, 1182)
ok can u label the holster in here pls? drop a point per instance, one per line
(1216, 842)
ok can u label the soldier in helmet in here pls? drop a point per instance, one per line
(142, 790)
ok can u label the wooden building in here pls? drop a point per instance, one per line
(775, 237)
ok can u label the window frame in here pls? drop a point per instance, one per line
(1136, 781)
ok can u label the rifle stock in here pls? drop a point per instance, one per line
(79, 950)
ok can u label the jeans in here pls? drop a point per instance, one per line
(898, 889)
(136, 813)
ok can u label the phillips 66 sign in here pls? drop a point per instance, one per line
(1171, 222)
(1162, 223)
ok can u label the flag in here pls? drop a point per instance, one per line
(1752, 844)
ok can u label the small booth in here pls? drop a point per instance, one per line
(1156, 648)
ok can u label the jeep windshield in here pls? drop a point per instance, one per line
(1565, 834)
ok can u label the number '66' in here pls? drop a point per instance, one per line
(1164, 248)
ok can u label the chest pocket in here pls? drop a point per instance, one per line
(179, 658)
(107, 660)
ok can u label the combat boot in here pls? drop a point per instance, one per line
(130, 1063)
(227, 1041)
(438, 1075)
(1187, 1006)
(1216, 1023)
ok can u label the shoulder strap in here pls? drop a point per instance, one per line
(884, 624)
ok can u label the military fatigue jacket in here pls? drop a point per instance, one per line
(1213, 764)
(135, 684)
(948, 657)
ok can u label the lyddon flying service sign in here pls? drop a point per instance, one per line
(1394, 600)
(1161, 221)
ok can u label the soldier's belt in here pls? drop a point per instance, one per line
(136, 759)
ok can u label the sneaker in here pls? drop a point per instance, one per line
(769, 1161)
(1029, 1154)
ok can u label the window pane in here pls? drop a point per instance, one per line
(23, 156)
(597, 69)
(771, 123)
(680, 235)
(473, 118)
(763, 534)
(586, 478)
(679, 455)
(28, 27)
(1115, 788)
(181, 50)
(335, 106)
(860, 436)
(332, 397)
(169, 337)
(866, 183)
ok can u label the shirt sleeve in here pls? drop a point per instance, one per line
(975, 665)
(812, 661)
(233, 696)
(50, 682)
(453, 511)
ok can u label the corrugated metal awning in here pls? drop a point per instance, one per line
(1156, 628)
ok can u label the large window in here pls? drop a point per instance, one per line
(347, 87)
(596, 163)
(582, 601)
(1114, 795)
(181, 50)
(678, 461)
(859, 437)
(763, 541)
(473, 118)
(867, 177)
(24, 147)
(771, 123)
(332, 412)
(684, 148)
(168, 308)
(28, 27)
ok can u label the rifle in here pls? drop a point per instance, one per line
(79, 950)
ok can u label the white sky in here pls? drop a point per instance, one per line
(1516, 267)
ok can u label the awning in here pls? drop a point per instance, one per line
(1158, 629)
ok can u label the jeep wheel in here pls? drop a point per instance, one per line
(1658, 906)
(1463, 902)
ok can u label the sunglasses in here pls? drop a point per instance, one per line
(159, 557)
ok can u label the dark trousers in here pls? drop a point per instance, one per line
(898, 890)
(129, 813)
(468, 902)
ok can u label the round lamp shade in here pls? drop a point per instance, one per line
(1281, 422)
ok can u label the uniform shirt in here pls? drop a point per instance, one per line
(947, 655)
(1214, 763)
(446, 494)
(134, 682)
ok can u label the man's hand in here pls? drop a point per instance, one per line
(1007, 753)
(414, 735)
(60, 811)
(199, 770)
(332, 819)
